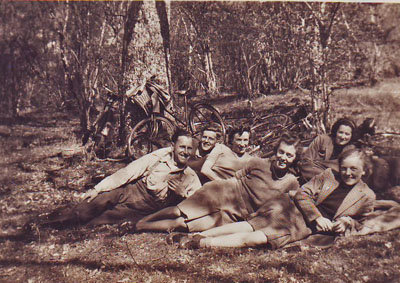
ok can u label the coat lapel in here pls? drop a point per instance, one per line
(328, 187)
(355, 195)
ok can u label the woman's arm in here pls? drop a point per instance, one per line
(311, 153)
(212, 158)
(319, 149)
(307, 195)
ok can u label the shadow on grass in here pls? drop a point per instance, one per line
(76, 262)
(22, 237)
(93, 265)
(37, 118)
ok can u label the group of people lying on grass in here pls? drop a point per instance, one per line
(224, 197)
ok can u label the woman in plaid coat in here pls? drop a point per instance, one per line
(329, 203)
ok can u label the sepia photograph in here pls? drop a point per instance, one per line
(199, 141)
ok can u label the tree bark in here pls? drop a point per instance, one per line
(129, 28)
(161, 8)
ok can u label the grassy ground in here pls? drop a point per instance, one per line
(36, 177)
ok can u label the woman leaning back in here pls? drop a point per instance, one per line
(325, 149)
(330, 202)
(225, 201)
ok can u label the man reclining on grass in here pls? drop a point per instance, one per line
(216, 161)
(148, 184)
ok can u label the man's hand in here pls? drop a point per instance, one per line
(176, 186)
(324, 224)
(340, 225)
(90, 195)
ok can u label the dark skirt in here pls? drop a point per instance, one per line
(215, 204)
(281, 221)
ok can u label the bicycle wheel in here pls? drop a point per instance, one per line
(202, 116)
(304, 133)
(269, 122)
(148, 135)
(268, 129)
(106, 146)
(269, 140)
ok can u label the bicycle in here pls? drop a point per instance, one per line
(101, 132)
(155, 131)
(269, 128)
(381, 143)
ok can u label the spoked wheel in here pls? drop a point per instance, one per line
(269, 140)
(148, 135)
(268, 130)
(270, 122)
(203, 116)
(106, 147)
(305, 134)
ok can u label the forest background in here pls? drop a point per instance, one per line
(62, 54)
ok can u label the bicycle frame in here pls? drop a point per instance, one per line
(185, 114)
(98, 127)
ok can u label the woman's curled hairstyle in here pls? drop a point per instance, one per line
(237, 130)
(291, 139)
(346, 122)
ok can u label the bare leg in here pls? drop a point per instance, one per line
(165, 220)
(230, 228)
(236, 240)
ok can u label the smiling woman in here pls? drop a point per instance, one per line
(226, 201)
(216, 161)
(325, 149)
(329, 203)
(239, 139)
(352, 166)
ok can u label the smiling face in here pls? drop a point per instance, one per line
(285, 156)
(343, 135)
(351, 169)
(240, 142)
(208, 140)
(183, 149)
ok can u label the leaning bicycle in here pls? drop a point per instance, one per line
(156, 130)
(269, 129)
(100, 138)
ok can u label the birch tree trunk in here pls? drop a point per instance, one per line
(320, 94)
(211, 77)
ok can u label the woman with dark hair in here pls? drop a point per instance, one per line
(325, 149)
(239, 141)
(226, 201)
(329, 203)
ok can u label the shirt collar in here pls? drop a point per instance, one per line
(168, 159)
(197, 153)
